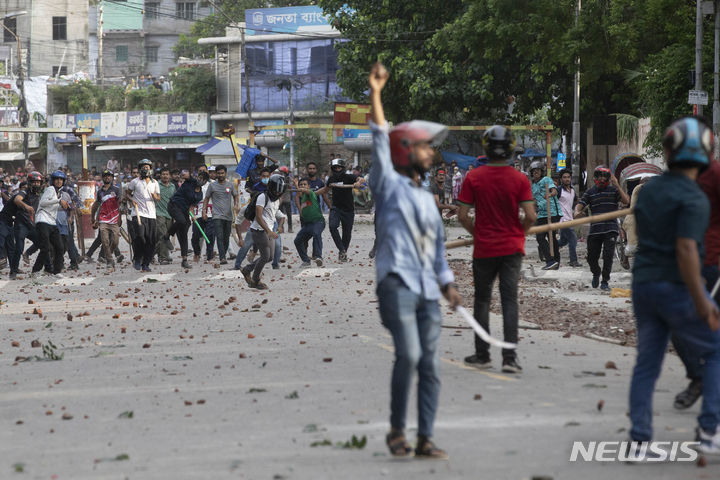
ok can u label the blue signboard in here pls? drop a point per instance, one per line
(286, 20)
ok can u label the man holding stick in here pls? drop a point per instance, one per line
(602, 198)
(143, 192)
(499, 238)
(544, 192)
(411, 267)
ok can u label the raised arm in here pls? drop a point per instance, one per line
(382, 168)
(378, 77)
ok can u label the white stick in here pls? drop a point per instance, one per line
(715, 289)
(485, 336)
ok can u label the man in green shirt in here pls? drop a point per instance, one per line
(313, 223)
(164, 221)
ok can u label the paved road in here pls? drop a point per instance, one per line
(244, 389)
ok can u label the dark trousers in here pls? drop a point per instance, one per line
(345, 218)
(266, 249)
(50, 244)
(222, 235)
(7, 241)
(542, 240)
(144, 241)
(97, 243)
(180, 227)
(197, 240)
(21, 231)
(69, 247)
(604, 242)
(286, 208)
(485, 270)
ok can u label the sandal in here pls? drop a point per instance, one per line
(427, 449)
(689, 396)
(398, 445)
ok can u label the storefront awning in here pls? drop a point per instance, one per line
(11, 156)
(149, 146)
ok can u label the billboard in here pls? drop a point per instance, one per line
(262, 21)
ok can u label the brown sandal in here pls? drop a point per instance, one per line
(427, 449)
(397, 443)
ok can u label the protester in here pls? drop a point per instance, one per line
(164, 220)
(286, 200)
(143, 192)
(49, 241)
(107, 207)
(267, 208)
(25, 202)
(437, 188)
(602, 198)
(499, 239)
(411, 267)
(186, 197)
(342, 208)
(197, 239)
(223, 197)
(568, 199)
(312, 221)
(669, 297)
(64, 222)
(544, 192)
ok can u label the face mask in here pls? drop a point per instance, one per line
(34, 188)
(144, 173)
(265, 181)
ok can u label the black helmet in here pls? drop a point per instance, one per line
(276, 186)
(498, 142)
(107, 172)
(144, 161)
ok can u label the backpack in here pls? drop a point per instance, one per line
(249, 213)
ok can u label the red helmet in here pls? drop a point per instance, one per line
(405, 135)
(35, 176)
(602, 176)
(284, 169)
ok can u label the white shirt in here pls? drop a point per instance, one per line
(48, 207)
(566, 204)
(271, 211)
(142, 194)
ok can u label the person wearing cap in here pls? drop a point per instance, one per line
(412, 272)
(108, 221)
(668, 293)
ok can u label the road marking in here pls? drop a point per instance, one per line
(160, 277)
(228, 274)
(316, 272)
(3, 283)
(455, 363)
(74, 282)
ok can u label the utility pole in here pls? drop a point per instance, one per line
(575, 149)
(698, 51)
(100, 72)
(716, 81)
(291, 121)
(22, 106)
(248, 103)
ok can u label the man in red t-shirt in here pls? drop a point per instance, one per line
(497, 191)
(107, 208)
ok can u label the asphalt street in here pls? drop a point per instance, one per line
(192, 375)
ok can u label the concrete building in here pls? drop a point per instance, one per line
(53, 36)
(138, 35)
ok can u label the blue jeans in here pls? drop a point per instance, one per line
(243, 251)
(662, 308)
(568, 237)
(415, 325)
(7, 241)
(310, 230)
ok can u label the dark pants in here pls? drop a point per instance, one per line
(286, 208)
(97, 243)
(145, 241)
(222, 235)
(21, 231)
(542, 240)
(569, 238)
(345, 218)
(69, 247)
(485, 270)
(7, 241)
(685, 350)
(266, 248)
(197, 240)
(50, 243)
(310, 230)
(180, 227)
(604, 242)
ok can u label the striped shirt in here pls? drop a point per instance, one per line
(602, 201)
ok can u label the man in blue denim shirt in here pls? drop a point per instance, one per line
(411, 267)
(669, 297)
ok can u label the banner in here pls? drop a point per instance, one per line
(286, 20)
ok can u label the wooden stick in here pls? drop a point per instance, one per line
(549, 222)
(555, 226)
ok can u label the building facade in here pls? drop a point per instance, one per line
(53, 36)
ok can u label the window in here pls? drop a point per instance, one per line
(11, 24)
(260, 59)
(185, 10)
(121, 53)
(151, 54)
(152, 9)
(293, 61)
(59, 70)
(59, 28)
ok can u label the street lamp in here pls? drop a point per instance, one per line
(24, 116)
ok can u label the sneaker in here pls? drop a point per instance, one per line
(259, 286)
(689, 396)
(146, 268)
(595, 281)
(119, 258)
(185, 264)
(88, 259)
(575, 264)
(342, 257)
(510, 365)
(319, 261)
(13, 276)
(709, 443)
(481, 363)
(276, 267)
(223, 262)
(605, 287)
(137, 266)
(165, 261)
(305, 264)
(552, 265)
(246, 272)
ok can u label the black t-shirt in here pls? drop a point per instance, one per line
(342, 198)
(12, 210)
(439, 191)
